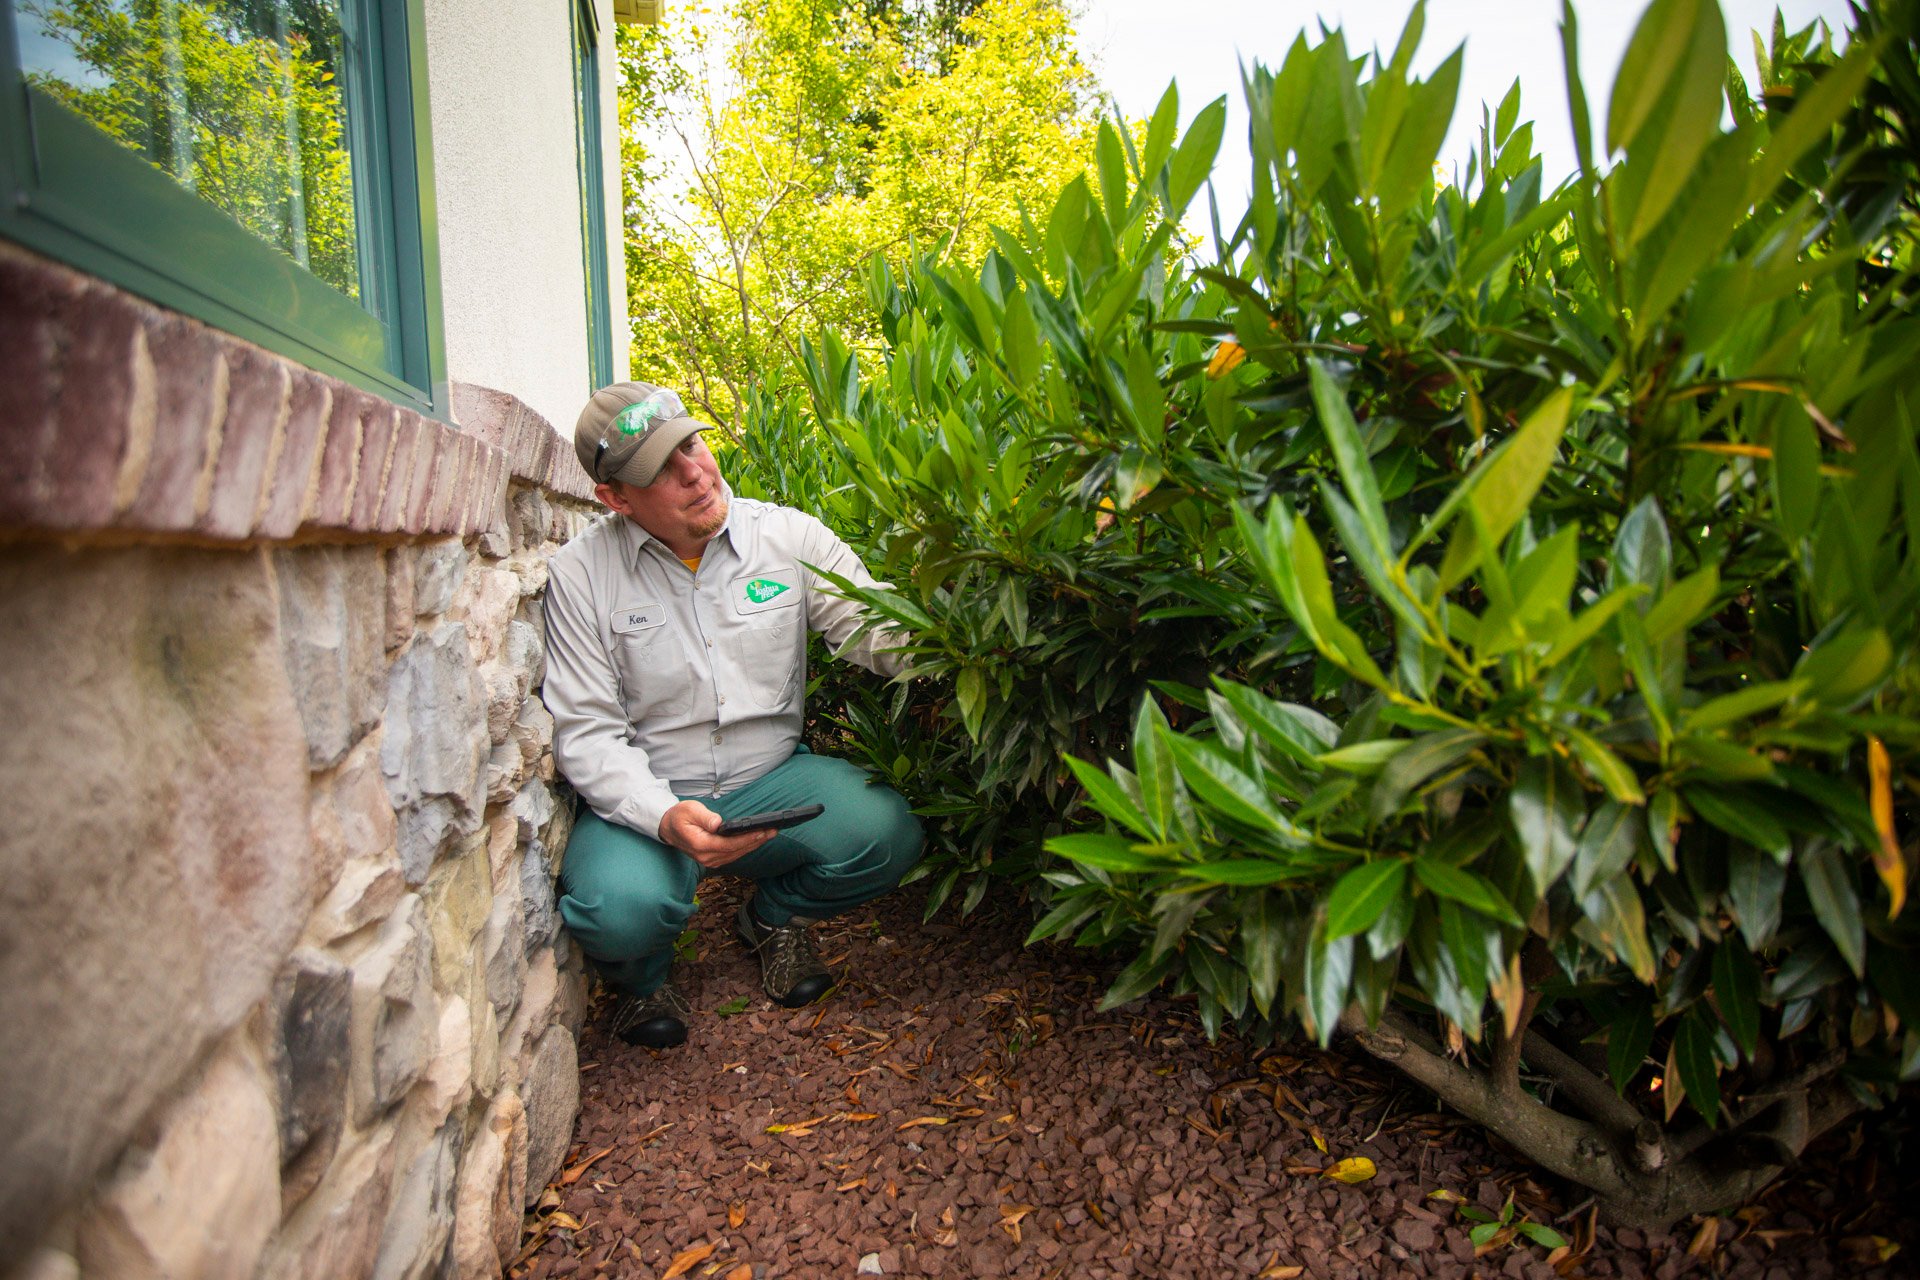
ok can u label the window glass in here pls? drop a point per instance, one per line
(241, 101)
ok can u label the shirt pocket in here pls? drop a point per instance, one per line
(767, 653)
(657, 678)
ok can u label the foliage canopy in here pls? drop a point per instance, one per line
(1477, 616)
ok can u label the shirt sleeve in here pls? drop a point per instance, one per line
(592, 745)
(837, 618)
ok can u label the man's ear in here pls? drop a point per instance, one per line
(613, 499)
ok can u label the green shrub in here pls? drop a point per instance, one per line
(1480, 617)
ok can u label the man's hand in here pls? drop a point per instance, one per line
(689, 827)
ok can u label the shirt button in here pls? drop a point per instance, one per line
(723, 699)
(716, 739)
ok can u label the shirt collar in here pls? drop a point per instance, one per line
(636, 538)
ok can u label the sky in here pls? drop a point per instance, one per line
(1137, 46)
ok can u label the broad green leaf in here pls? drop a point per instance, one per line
(1740, 704)
(1614, 911)
(1836, 902)
(1107, 852)
(1113, 802)
(1501, 495)
(1814, 113)
(1590, 620)
(1665, 150)
(1693, 1054)
(1246, 871)
(1350, 455)
(1020, 342)
(1682, 605)
(1137, 979)
(1297, 731)
(970, 688)
(1262, 941)
(1068, 914)
(1653, 56)
(1193, 158)
(1457, 884)
(1747, 822)
(1361, 895)
(1364, 757)
(1629, 1037)
(1755, 885)
(1608, 769)
(1152, 763)
(1328, 976)
(1736, 991)
(1547, 809)
(1419, 759)
(1606, 846)
(1795, 470)
(1216, 778)
(1841, 669)
(1642, 551)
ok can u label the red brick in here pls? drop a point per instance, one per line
(438, 448)
(410, 447)
(377, 463)
(449, 476)
(186, 363)
(340, 456)
(257, 404)
(78, 467)
(34, 303)
(309, 404)
(483, 413)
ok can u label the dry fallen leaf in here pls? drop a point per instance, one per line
(860, 1181)
(1277, 1272)
(923, 1120)
(1450, 1197)
(687, 1259)
(1352, 1170)
(564, 1220)
(572, 1175)
(736, 1214)
(1319, 1142)
(742, 1272)
(1706, 1239)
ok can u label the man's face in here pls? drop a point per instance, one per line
(684, 506)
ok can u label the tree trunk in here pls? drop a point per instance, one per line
(1620, 1154)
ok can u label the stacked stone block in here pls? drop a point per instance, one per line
(284, 988)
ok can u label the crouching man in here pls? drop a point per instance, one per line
(676, 674)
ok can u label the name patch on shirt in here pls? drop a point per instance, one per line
(765, 591)
(638, 617)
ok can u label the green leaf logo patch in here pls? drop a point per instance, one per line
(761, 590)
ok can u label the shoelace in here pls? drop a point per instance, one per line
(667, 1000)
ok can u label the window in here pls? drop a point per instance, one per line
(593, 192)
(260, 164)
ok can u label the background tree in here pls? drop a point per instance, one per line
(774, 149)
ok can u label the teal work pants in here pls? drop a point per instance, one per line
(627, 897)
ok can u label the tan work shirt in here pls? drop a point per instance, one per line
(667, 683)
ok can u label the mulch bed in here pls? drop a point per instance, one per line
(958, 1108)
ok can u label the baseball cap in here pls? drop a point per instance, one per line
(627, 431)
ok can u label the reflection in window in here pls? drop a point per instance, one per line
(238, 100)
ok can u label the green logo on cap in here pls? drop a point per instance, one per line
(761, 590)
(636, 418)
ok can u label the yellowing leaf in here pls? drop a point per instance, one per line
(1318, 1141)
(564, 1220)
(1450, 1197)
(921, 1121)
(1352, 1170)
(687, 1259)
(1886, 858)
(1227, 357)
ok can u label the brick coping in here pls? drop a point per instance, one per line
(121, 417)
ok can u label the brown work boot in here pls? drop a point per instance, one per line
(790, 968)
(654, 1021)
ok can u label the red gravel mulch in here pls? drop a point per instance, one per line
(958, 1108)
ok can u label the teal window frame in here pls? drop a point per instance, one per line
(70, 192)
(593, 193)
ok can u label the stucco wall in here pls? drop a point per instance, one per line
(513, 284)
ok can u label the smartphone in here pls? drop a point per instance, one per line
(771, 820)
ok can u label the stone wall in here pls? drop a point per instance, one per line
(283, 987)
